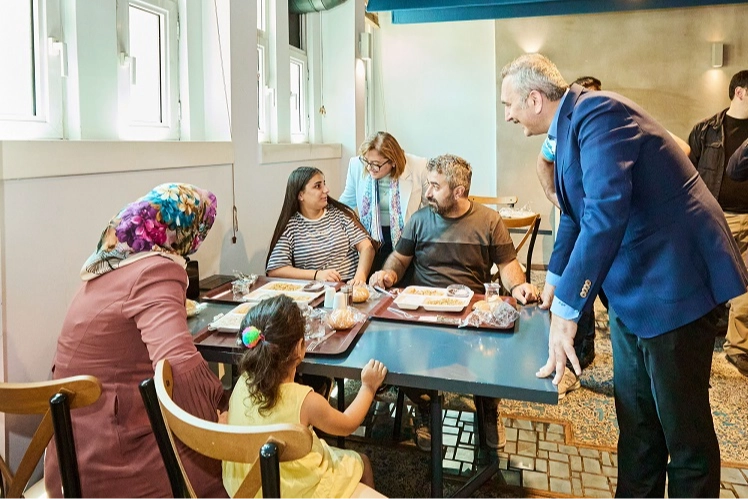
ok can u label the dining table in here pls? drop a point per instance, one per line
(434, 357)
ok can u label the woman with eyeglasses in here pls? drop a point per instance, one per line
(385, 185)
(318, 237)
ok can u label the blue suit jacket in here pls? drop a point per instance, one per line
(636, 219)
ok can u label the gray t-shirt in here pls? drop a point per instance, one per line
(456, 250)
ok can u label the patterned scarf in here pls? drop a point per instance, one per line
(171, 220)
(370, 210)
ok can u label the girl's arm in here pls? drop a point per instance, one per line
(318, 412)
(365, 259)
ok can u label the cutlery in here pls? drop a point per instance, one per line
(318, 342)
(382, 290)
(402, 313)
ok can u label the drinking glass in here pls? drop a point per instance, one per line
(492, 291)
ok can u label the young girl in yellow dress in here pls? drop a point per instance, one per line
(273, 334)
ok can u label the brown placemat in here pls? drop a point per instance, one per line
(223, 294)
(449, 318)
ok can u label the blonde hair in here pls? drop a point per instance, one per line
(386, 145)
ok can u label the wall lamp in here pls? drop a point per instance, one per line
(718, 54)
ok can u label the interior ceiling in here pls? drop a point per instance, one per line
(424, 11)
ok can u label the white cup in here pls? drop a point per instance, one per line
(340, 301)
(329, 297)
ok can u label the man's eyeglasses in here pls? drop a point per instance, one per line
(371, 166)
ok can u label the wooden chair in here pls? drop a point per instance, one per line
(53, 399)
(532, 224)
(497, 201)
(243, 444)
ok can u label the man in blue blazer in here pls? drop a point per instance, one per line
(638, 221)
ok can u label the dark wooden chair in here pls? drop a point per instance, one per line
(53, 400)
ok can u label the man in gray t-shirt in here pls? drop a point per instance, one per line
(455, 241)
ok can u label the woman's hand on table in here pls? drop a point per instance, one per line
(328, 275)
(525, 293)
(383, 278)
(358, 280)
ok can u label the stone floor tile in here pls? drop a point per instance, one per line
(535, 480)
(614, 459)
(503, 463)
(451, 430)
(527, 435)
(527, 448)
(556, 456)
(576, 463)
(594, 481)
(452, 414)
(610, 471)
(522, 463)
(511, 448)
(511, 434)
(512, 477)
(449, 440)
(591, 465)
(466, 455)
(726, 494)
(451, 467)
(466, 416)
(605, 458)
(450, 421)
(559, 470)
(576, 487)
(568, 449)
(585, 452)
(541, 465)
(555, 428)
(740, 490)
(552, 446)
(543, 454)
(732, 475)
(560, 486)
(465, 437)
(523, 424)
(554, 437)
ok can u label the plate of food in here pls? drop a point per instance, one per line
(432, 299)
(294, 290)
(232, 320)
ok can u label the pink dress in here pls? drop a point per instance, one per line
(117, 328)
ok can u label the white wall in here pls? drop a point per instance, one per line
(435, 91)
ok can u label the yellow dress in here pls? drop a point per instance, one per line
(324, 472)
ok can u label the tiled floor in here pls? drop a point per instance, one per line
(538, 455)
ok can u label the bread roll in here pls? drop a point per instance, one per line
(342, 318)
(360, 294)
(482, 305)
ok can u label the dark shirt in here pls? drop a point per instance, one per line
(733, 196)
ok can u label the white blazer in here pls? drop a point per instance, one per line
(410, 185)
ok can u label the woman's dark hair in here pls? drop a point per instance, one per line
(268, 362)
(296, 183)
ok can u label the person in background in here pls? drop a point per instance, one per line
(636, 219)
(737, 167)
(385, 185)
(455, 241)
(272, 335)
(129, 314)
(713, 141)
(316, 236)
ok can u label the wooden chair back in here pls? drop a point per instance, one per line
(53, 399)
(496, 201)
(242, 444)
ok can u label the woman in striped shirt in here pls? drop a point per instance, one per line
(316, 236)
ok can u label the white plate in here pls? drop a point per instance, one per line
(448, 304)
(423, 291)
(408, 302)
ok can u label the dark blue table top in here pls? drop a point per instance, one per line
(469, 361)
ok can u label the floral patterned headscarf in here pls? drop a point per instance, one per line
(171, 220)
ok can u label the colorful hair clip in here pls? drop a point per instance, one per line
(251, 336)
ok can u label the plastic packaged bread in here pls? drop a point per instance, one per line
(344, 318)
(360, 294)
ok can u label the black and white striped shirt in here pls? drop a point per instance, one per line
(326, 243)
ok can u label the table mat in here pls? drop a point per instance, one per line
(450, 319)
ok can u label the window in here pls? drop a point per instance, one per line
(33, 59)
(149, 88)
(263, 118)
(298, 80)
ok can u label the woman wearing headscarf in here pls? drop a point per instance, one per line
(318, 237)
(129, 314)
(385, 185)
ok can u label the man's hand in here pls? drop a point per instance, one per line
(525, 293)
(383, 278)
(560, 348)
(546, 297)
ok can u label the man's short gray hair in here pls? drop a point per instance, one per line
(456, 169)
(535, 72)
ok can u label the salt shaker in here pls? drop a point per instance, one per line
(348, 292)
(329, 296)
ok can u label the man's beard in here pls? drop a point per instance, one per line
(443, 209)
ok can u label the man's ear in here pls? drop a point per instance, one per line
(459, 192)
(536, 101)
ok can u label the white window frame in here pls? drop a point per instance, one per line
(296, 56)
(169, 128)
(50, 62)
(263, 56)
